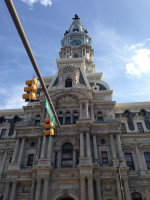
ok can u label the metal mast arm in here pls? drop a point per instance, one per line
(25, 42)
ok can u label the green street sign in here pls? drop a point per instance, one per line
(50, 112)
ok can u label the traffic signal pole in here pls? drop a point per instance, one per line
(25, 42)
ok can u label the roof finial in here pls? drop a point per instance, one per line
(76, 17)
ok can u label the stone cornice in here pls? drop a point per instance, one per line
(106, 128)
(136, 106)
(11, 111)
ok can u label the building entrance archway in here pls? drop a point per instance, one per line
(66, 198)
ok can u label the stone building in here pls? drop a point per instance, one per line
(101, 151)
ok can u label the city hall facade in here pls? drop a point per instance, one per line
(101, 151)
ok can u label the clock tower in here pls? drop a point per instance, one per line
(77, 45)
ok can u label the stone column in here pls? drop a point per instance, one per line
(81, 111)
(82, 188)
(88, 145)
(92, 111)
(74, 158)
(58, 159)
(49, 151)
(90, 187)
(32, 192)
(113, 147)
(2, 163)
(86, 110)
(6, 191)
(44, 114)
(21, 150)
(119, 147)
(95, 147)
(126, 189)
(45, 190)
(13, 190)
(119, 196)
(98, 189)
(147, 194)
(43, 147)
(38, 149)
(81, 145)
(138, 155)
(15, 151)
(38, 189)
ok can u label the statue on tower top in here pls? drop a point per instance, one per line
(76, 17)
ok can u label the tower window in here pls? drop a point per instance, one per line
(67, 155)
(68, 83)
(129, 160)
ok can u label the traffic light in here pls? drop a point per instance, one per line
(31, 90)
(49, 127)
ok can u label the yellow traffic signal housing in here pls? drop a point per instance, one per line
(31, 90)
(49, 127)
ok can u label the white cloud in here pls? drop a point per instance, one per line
(46, 2)
(139, 61)
(43, 2)
(13, 97)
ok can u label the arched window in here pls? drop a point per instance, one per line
(136, 196)
(68, 82)
(143, 113)
(75, 116)
(60, 116)
(67, 155)
(67, 117)
(128, 115)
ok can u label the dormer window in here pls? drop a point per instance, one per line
(68, 83)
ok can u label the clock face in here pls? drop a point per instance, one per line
(76, 42)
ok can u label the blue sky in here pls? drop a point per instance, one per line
(120, 31)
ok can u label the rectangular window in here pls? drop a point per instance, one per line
(140, 127)
(123, 128)
(104, 157)
(3, 133)
(147, 159)
(129, 160)
(30, 159)
(37, 122)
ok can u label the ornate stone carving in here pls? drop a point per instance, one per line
(67, 98)
(69, 71)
